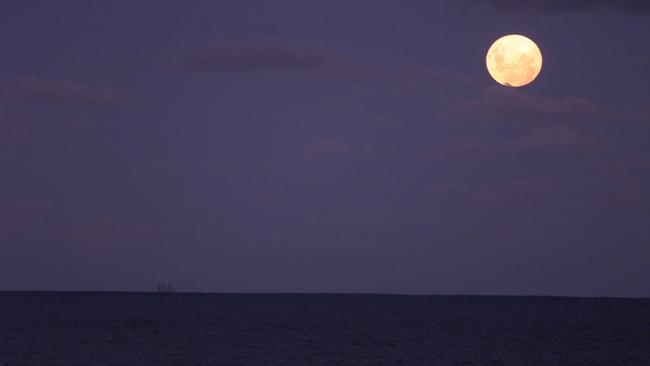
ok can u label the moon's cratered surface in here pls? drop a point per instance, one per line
(514, 60)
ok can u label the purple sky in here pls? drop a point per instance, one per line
(330, 146)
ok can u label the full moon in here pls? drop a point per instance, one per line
(514, 60)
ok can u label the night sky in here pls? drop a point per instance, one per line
(330, 146)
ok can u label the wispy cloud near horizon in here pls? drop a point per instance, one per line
(64, 93)
(631, 7)
(250, 55)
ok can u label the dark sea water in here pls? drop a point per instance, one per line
(215, 329)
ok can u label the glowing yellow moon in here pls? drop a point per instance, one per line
(514, 60)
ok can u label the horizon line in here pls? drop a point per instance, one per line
(288, 293)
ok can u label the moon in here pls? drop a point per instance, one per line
(514, 60)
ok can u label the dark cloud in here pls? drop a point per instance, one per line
(25, 207)
(513, 193)
(520, 193)
(273, 55)
(623, 183)
(554, 140)
(240, 55)
(498, 104)
(40, 218)
(455, 145)
(14, 129)
(335, 148)
(65, 93)
(409, 75)
(21, 217)
(635, 163)
(573, 6)
(30, 206)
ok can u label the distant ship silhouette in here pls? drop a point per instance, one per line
(165, 286)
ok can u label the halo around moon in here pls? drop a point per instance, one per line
(514, 60)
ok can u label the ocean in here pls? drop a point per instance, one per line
(95, 328)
